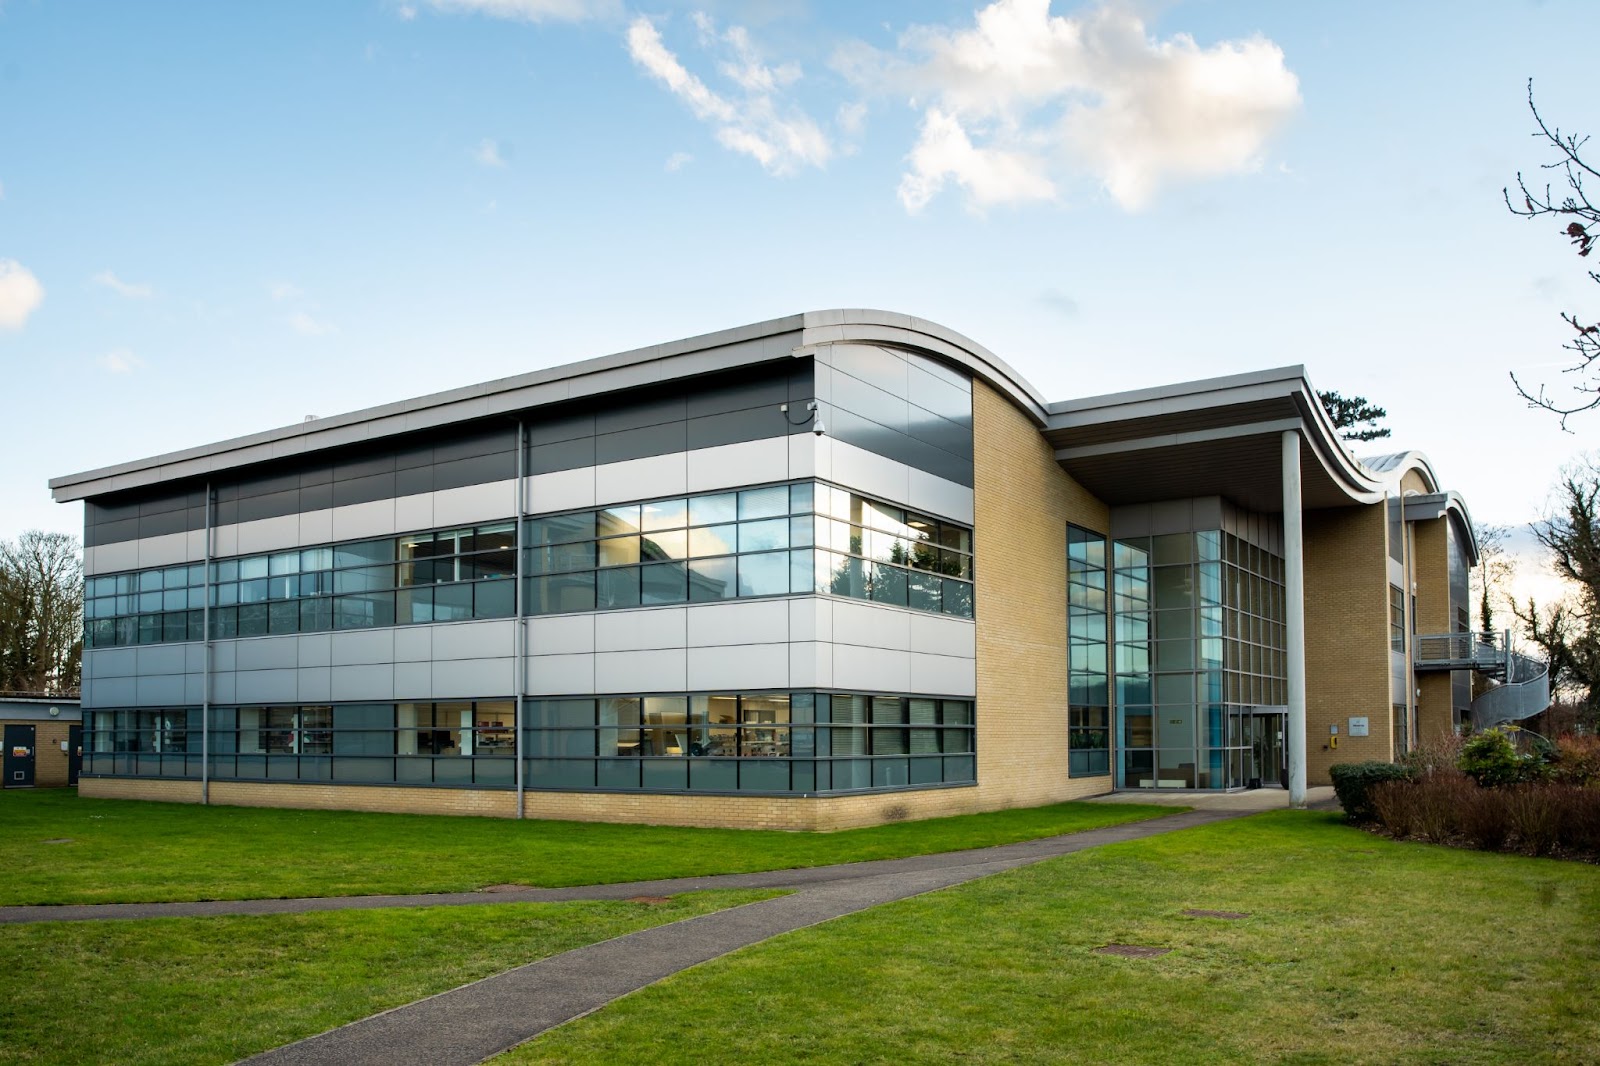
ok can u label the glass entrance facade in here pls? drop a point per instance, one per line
(1199, 653)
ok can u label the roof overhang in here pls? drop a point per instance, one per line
(794, 336)
(1425, 507)
(1215, 437)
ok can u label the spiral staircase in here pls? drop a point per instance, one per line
(1522, 686)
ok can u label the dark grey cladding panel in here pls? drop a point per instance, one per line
(728, 408)
(645, 407)
(662, 439)
(476, 469)
(902, 406)
(420, 462)
(556, 426)
(348, 491)
(869, 436)
(561, 455)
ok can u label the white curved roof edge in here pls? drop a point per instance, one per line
(1446, 504)
(1361, 483)
(789, 336)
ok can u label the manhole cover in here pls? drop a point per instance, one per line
(59, 840)
(648, 899)
(1131, 951)
(1225, 915)
(505, 888)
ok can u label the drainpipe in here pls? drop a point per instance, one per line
(205, 668)
(520, 630)
(1295, 582)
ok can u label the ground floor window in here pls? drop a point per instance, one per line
(800, 742)
(754, 741)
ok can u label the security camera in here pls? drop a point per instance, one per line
(818, 428)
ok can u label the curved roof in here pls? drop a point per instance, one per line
(793, 336)
(1218, 436)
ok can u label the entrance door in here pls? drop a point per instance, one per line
(19, 756)
(74, 753)
(1266, 751)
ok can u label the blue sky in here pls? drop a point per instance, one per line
(240, 214)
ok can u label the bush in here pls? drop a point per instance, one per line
(1577, 760)
(1581, 827)
(1536, 813)
(1354, 781)
(1441, 751)
(1428, 807)
(1490, 759)
(1484, 819)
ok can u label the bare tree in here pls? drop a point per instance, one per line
(1569, 632)
(1581, 216)
(41, 613)
(1494, 573)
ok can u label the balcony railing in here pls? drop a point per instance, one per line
(1486, 653)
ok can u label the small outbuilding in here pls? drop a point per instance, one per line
(43, 740)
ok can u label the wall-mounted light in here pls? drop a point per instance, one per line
(811, 416)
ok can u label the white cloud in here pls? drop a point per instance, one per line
(1022, 98)
(523, 10)
(488, 153)
(677, 161)
(307, 326)
(120, 361)
(284, 290)
(20, 294)
(132, 290)
(755, 119)
(990, 175)
(851, 119)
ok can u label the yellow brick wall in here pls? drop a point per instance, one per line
(1023, 504)
(49, 761)
(308, 796)
(743, 812)
(1347, 636)
(1431, 569)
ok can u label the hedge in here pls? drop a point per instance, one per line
(1353, 782)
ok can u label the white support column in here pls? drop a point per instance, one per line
(1295, 580)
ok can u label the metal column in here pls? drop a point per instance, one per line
(1295, 609)
(205, 667)
(520, 629)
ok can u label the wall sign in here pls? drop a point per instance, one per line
(1358, 727)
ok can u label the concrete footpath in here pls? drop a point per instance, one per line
(473, 1022)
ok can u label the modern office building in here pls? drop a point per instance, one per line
(825, 570)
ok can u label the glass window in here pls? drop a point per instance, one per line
(768, 502)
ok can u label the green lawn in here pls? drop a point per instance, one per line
(132, 851)
(206, 990)
(1357, 949)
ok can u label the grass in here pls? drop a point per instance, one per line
(208, 990)
(142, 852)
(1357, 949)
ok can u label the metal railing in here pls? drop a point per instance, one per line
(1488, 653)
(1524, 693)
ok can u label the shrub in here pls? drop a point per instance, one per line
(1583, 820)
(1484, 819)
(1490, 759)
(1428, 807)
(1577, 760)
(1354, 781)
(1536, 813)
(1439, 751)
